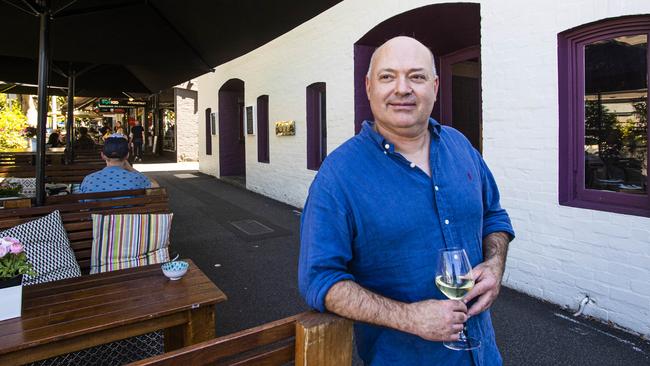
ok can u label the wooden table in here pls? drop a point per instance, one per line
(70, 315)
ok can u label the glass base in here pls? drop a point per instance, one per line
(466, 344)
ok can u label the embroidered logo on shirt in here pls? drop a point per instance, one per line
(469, 175)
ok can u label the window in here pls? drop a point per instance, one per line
(208, 130)
(603, 79)
(263, 129)
(316, 126)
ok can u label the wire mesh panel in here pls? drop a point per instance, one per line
(111, 354)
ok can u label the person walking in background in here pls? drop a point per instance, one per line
(137, 140)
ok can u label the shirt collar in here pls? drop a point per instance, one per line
(367, 130)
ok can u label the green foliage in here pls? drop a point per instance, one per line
(10, 189)
(12, 124)
(12, 265)
(599, 123)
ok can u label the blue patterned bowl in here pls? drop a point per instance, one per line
(175, 270)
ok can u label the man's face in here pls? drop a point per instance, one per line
(401, 87)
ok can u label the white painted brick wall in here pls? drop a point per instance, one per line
(187, 121)
(561, 253)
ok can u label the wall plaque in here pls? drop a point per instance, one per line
(285, 128)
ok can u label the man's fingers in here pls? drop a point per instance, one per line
(479, 306)
(460, 318)
(477, 291)
(457, 305)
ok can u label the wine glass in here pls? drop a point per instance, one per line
(454, 279)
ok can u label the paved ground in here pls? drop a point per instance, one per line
(259, 277)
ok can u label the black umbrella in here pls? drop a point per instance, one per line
(159, 43)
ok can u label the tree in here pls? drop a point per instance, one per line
(12, 124)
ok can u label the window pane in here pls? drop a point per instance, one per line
(616, 114)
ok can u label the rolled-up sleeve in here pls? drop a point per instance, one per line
(495, 218)
(325, 242)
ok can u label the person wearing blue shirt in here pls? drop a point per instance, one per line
(381, 207)
(118, 175)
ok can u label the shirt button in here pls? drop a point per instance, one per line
(446, 222)
(387, 146)
(412, 165)
(385, 153)
(435, 187)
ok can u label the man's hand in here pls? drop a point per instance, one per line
(436, 320)
(488, 277)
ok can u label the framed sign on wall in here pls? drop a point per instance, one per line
(213, 123)
(250, 120)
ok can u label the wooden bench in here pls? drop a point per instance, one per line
(307, 339)
(73, 173)
(82, 312)
(77, 209)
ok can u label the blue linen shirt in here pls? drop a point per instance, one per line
(374, 218)
(113, 178)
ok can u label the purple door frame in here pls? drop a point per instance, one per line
(232, 149)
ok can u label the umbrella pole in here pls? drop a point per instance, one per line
(43, 69)
(70, 117)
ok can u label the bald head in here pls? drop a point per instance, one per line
(398, 44)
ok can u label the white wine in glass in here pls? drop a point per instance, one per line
(454, 279)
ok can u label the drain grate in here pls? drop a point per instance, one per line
(251, 227)
(185, 175)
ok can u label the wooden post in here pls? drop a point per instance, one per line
(199, 327)
(323, 340)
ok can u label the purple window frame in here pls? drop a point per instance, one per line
(316, 125)
(572, 191)
(208, 132)
(263, 129)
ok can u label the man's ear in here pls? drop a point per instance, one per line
(367, 87)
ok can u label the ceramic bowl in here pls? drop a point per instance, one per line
(175, 269)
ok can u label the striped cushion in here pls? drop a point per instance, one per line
(129, 240)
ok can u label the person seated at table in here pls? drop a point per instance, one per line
(118, 175)
(55, 139)
(84, 141)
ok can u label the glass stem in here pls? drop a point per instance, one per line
(462, 335)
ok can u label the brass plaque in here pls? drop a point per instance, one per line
(285, 128)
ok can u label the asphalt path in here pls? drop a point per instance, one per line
(258, 273)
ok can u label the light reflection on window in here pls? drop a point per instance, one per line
(616, 115)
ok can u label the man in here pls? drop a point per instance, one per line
(118, 174)
(84, 142)
(137, 139)
(381, 207)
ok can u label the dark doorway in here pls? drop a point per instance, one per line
(449, 30)
(460, 95)
(232, 152)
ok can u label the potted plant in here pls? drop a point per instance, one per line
(13, 265)
(30, 135)
(10, 189)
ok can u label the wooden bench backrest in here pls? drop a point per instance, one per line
(76, 213)
(73, 173)
(308, 339)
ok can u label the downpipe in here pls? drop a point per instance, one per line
(583, 305)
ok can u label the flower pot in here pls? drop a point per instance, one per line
(11, 293)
